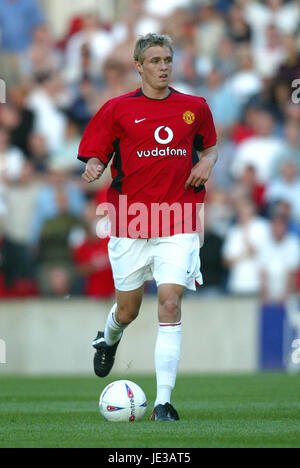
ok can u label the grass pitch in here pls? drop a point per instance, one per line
(216, 411)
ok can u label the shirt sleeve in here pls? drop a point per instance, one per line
(99, 136)
(206, 135)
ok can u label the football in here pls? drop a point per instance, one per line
(123, 400)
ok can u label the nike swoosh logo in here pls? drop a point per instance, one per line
(138, 121)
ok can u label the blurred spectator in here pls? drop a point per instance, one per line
(219, 212)
(20, 198)
(11, 158)
(290, 69)
(88, 69)
(56, 271)
(286, 187)
(38, 152)
(185, 64)
(11, 165)
(278, 262)
(248, 187)
(18, 121)
(123, 50)
(69, 147)
(97, 42)
(259, 151)
(56, 281)
(42, 55)
(81, 108)
(209, 30)
(50, 121)
(238, 29)
(281, 96)
(270, 56)
(291, 148)
(222, 101)
(47, 207)
(212, 266)
(18, 19)
(114, 75)
(135, 13)
(245, 82)
(283, 209)
(244, 129)
(226, 59)
(91, 258)
(180, 25)
(26, 118)
(241, 249)
(265, 99)
(260, 14)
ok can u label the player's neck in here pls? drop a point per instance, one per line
(153, 93)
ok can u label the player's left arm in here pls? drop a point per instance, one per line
(202, 170)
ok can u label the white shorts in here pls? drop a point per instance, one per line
(168, 260)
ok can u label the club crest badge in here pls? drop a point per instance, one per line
(189, 117)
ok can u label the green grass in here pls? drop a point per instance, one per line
(216, 411)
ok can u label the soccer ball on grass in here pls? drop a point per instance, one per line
(123, 400)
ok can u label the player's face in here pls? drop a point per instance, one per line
(157, 67)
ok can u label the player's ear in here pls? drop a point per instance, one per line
(138, 66)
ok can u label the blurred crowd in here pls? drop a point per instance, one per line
(243, 56)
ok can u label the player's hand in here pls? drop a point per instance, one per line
(93, 170)
(200, 173)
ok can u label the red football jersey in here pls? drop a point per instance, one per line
(154, 144)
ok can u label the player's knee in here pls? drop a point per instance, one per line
(170, 310)
(126, 315)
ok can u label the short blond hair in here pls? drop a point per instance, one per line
(150, 40)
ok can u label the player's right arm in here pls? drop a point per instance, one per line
(97, 144)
